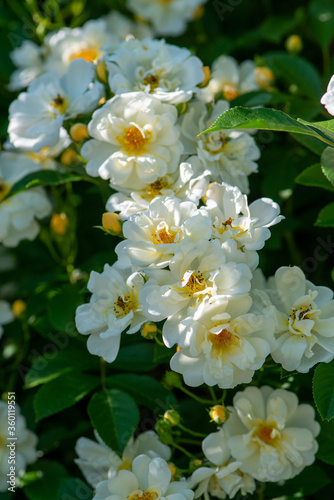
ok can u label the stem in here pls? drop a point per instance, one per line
(213, 395)
(197, 398)
(189, 441)
(178, 447)
(189, 431)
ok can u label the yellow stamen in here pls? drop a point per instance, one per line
(267, 433)
(196, 283)
(150, 494)
(133, 140)
(89, 54)
(123, 305)
(155, 188)
(59, 104)
(152, 81)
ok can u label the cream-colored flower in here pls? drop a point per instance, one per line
(230, 79)
(198, 271)
(271, 434)
(24, 445)
(166, 71)
(188, 183)
(28, 58)
(303, 315)
(328, 98)
(233, 219)
(136, 141)
(222, 343)
(168, 17)
(150, 479)
(36, 116)
(30, 161)
(98, 462)
(153, 236)
(229, 155)
(113, 307)
(6, 314)
(19, 212)
(223, 478)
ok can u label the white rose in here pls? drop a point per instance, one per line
(113, 307)
(188, 183)
(6, 315)
(303, 315)
(230, 79)
(150, 478)
(168, 18)
(36, 116)
(153, 236)
(233, 218)
(270, 433)
(166, 71)
(97, 461)
(25, 445)
(223, 343)
(223, 478)
(136, 140)
(229, 155)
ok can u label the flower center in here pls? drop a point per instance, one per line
(4, 190)
(163, 236)
(266, 433)
(155, 188)
(223, 226)
(223, 340)
(59, 104)
(125, 465)
(195, 282)
(230, 92)
(134, 140)
(150, 494)
(302, 317)
(123, 305)
(89, 54)
(152, 81)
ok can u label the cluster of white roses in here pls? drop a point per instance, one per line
(189, 256)
(267, 437)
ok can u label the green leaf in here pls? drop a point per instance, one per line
(61, 308)
(315, 145)
(322, 21)
(145, 390)
(115, 416)
(327, 164)
(275, 28)
(49, 478)
(323, 389)
(326, 442)
(297, 71)
(74, 489)
(43, 178)
(313, 176)
(268, 119)
(138, 357)
(326, 216)
(63, 392)
(57, 362)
